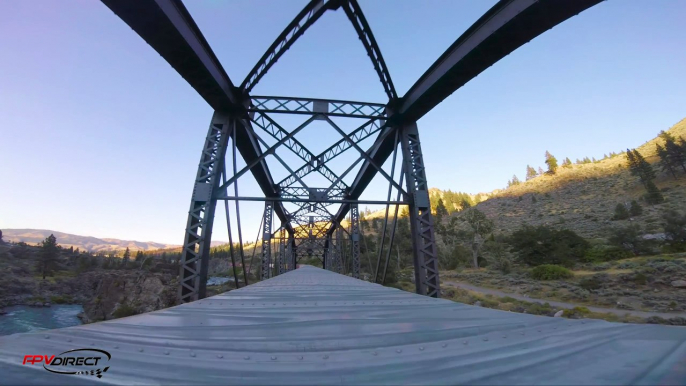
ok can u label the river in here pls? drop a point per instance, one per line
(26, 319)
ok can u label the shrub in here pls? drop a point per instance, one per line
(635, 209)
(124, 310)
(545, 245)
(621, 213)
(576, 312)
(58, 299)
(601, 253)
(551, 272)
(593, 282)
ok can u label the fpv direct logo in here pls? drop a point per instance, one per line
(86, 362)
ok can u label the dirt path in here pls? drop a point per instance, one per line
(642, 314)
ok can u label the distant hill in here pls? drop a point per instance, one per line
(94, 244)
(583, 197)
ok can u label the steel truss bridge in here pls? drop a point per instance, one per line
(310, 326)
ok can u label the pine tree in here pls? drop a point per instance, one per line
(567, 163)
(646, 172)
(530, 172)
(127, 256)
(666, 163)
(48, 256)
(675, 152)
(515, 180)
(465, 204)
(441, 211)
(653, 196)
(635, 209)
(551, 161)
(540, 171)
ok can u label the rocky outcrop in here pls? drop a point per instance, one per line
(679, 283)
(124, 293)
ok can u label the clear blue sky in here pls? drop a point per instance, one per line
(99, 136)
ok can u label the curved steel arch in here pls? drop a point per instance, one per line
(168, 28)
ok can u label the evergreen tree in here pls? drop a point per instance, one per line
(635, 209)
(666, 162)
(646, 171)
(653, 196)
(465, 204)
(127, 256)
(1, 241)
(530, 172)
(441, 211)
(139, 255)
(540, 171)
(515, 180)
(551, 161)
(48, 256)
(567, 163)
(675, 152)
(621, 213)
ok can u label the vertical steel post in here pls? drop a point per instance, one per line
(421, 221)
(282, 252)
(355, 238)
(339, 249)
(266, 239)
(197, 238)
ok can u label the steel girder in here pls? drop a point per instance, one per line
(505, 27)
(197, 239)
(310, 106)
(355, 239)
(364, 32)
(266, 240)
(313, 11)
(421, 221)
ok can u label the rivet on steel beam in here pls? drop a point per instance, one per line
(485, 338)
(398, 351)
(465, 342)
(246, 358)
(326, 357)
(193, 354)
(220, 356)
(69, 340)
(301, 358)
(273, 358)
(116, 346)
(375, 353)
(47, 337)
(140, 349)
(166, 352)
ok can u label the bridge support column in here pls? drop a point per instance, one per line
(266, 240)
(282, 252)
(355, 239)
(421, 221)
(196, 245)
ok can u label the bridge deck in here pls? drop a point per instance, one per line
(312, 326)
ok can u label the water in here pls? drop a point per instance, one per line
(26, 319)
(216, 280)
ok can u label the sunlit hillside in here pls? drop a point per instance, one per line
(583, 197)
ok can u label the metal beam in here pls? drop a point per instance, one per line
(310, 106)
(170, 30)
(364, 32)
(505, 27)
(167, 26)
(312, 11)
